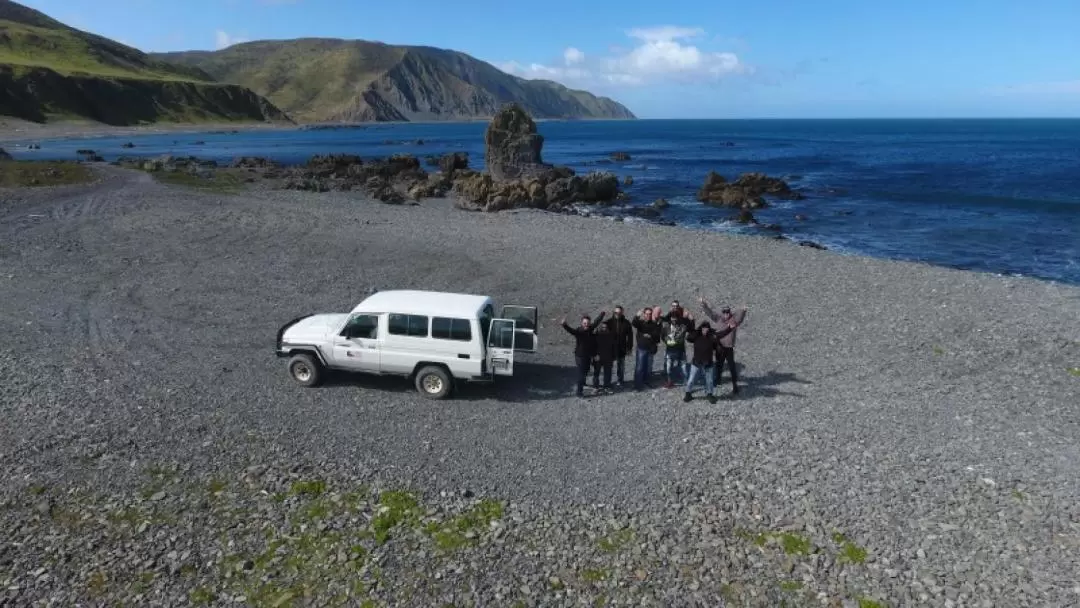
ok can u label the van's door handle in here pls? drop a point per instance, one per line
(463, 356)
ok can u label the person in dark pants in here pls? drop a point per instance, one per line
(725, 347)
(584, 348)
(648, 339)
(704, 341)
(606, 350)
(623, 332)
(676, 323)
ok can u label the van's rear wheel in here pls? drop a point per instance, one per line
(305, 370)
(433, 382)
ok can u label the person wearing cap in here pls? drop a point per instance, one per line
(704, 341)
(725, 346)
(584, 348)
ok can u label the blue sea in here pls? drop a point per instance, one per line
(1000, 196)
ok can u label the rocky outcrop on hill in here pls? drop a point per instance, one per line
(746, 192)
(4, 154)
(517, 175)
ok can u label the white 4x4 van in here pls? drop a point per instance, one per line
(433, 337)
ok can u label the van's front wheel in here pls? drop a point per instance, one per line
(433, 382)
(305, 370)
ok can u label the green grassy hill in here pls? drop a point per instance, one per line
(49, 70)
(321, 79)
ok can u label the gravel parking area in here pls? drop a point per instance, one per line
(907, 435)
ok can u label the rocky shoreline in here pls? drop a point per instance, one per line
(516, 178)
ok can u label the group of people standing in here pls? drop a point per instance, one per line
(604, 343)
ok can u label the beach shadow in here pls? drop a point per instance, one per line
(766, 385)
(530, 382)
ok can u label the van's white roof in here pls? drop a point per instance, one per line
(432, 303)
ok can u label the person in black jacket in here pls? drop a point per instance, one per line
(705, 342)
(606, 351)
(584, 348)
(648, 339)
(623, 332)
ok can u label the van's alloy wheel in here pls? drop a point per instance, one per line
(433, 382)
(305, 370)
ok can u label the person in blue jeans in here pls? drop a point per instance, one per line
(676, 324)
(648, 340)
(705, 342)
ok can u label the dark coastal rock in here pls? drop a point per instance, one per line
(253, 162)
(518, 178)
(620, 156)
(761, 184)
(128, 145)
(812, 245)
(745, 217)
(661, 203)
(307, 184)
(800, 217)
(628, 180)
(746, 192)
(89, 156)
(455, 161)
(4, 154)
(511, 144)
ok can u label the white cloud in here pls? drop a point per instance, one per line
(660, 54)
(222, 39)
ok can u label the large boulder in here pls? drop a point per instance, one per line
(455, 161)
(512, 145)
(746, 192)
(598, 187)
(4, 154)
(761, 184)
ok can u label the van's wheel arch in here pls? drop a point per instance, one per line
(434, 381)
(305, 369)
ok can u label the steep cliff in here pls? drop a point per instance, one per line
(40, 94)
(50, 70)
(319, 79)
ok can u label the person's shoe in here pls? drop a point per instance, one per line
(687, 397)
(712, 399)
(735, 389)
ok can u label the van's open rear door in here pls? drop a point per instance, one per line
(500, 347)
(526, 320)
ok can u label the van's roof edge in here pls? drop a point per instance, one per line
(410, 301)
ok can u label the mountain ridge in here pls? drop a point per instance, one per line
(50, 70)
(369, 81)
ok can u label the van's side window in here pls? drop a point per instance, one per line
(362, 326)
(451, 329)
(409, 325)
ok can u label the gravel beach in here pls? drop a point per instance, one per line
(906, 435)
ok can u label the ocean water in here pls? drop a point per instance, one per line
(1000, 196)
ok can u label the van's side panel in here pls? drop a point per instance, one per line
(400, 354)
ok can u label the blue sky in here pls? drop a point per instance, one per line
(674, 59)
